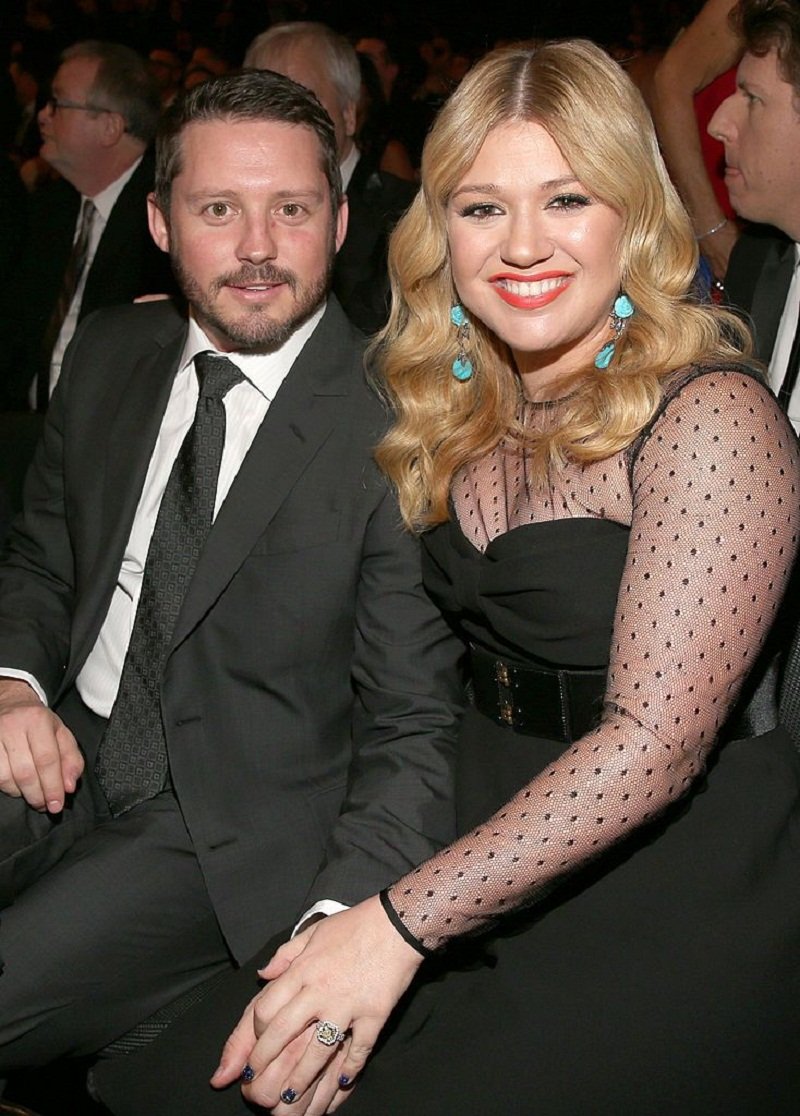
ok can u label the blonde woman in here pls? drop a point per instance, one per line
(607, 495)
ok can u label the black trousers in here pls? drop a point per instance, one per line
(109, 918)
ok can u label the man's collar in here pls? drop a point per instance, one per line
(265, 371)
(348, 165)
(105, 201)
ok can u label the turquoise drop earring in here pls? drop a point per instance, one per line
(623, 309)
(462, 365)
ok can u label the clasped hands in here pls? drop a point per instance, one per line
(350, 969)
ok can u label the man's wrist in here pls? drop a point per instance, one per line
(321, 909)
(11, 674)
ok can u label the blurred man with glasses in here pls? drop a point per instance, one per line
(89, 244)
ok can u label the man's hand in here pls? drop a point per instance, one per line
(39, 757)
(349, 969)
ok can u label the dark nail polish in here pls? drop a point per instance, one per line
(248, 1073)
(288, 1096)
(344, 1081)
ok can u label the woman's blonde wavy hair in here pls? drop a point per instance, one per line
(599, 121)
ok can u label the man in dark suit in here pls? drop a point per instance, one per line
(760, 127)
(281, 746)
(326, 63)
(96, 129)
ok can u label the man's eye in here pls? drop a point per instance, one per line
(218, 209)
(292, 209)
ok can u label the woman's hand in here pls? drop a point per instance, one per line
(350, 969)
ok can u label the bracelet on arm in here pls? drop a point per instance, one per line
(714, 229)
(400, 927)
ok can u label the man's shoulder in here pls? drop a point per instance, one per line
(755, 244)
(51, 201)
(141, 181)
(137, 326)
(339, 348)
(336, 335)
(758, 247)
(373, 186)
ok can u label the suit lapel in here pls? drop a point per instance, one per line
(132, 421)
(133, 432)
(299, 421)
(770, 295)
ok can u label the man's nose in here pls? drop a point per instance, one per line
(720, 126)
(258, 242)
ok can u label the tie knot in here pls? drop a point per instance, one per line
(86, 216)
(216, 375)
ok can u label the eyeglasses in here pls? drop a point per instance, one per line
(54, 104)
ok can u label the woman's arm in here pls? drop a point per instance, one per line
(712, 542)
(702, 52)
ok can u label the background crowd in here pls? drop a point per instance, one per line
(410, 58)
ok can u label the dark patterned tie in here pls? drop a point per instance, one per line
(132, 760)
(69, 284)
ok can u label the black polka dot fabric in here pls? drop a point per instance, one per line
(710, 493)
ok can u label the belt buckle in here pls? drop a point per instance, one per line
(504, 692)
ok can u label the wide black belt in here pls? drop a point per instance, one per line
(557, 704)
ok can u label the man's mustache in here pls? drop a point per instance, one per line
(264, 275)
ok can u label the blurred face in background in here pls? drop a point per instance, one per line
(72, 126)
(759, 125)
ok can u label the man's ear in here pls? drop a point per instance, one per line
(341, 223)
(159, 227)
(350, 113)
(113, 128)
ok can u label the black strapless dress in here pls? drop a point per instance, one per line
(662, 979)
(657, 974)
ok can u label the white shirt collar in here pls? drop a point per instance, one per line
(265, 371)
(104, 201)
(348, 165)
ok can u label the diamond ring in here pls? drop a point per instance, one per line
(328, 1033)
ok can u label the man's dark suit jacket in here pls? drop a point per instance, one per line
(376, 201)
(311, 694)
(757, 282)
(127, 264)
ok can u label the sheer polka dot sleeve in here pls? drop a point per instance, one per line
(714, 508)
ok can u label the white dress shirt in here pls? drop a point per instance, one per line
(783, 343)
(104, 202)
(348, 165)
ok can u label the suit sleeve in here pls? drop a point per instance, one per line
(408, 700)
(37, 582)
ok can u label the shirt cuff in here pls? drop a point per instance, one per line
(323, 907)
(23, 676)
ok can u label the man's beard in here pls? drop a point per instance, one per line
(254, 330)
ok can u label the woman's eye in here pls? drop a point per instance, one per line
(480, 210)
(569, 201)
